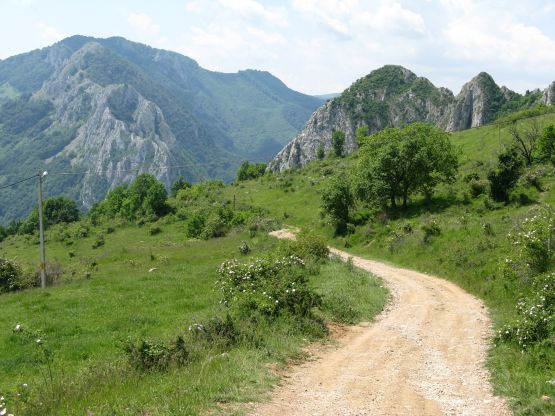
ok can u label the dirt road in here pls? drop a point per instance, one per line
(423, 356)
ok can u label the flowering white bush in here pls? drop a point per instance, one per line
(536, 321)
(267, 285)
(534, 240)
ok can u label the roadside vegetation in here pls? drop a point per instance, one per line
(163, 305)
(486, 225)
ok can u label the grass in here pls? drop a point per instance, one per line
(87, 320)
(472, 244)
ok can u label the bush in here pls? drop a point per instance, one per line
(432, 229)
(99, 242)
(156, 355)
(154, 230)
(195, 225)
(244, 248)
(10, 275)
(478, 187)
(534, 240)
(216, 331)
(311, 246)
(214, 227)
(505, 175)
(267, 286)
(536, 312)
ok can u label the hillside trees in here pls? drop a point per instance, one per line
(546, 145)
(337, 200)
(526, 140)
(250, 171)
(338, 143)
(144, 197)
(396, 163)
(505, 176)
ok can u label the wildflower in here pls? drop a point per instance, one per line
(18, 328)
(39, 342)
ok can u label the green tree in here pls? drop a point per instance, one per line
(147, 196)
(178, 184)
(250, 171)
(320, 152)
(338, 142)
(337, 200)
(526, 140)
(360, 134)
(396, 163)
(504, 177)
(546, 145)
(55, 211)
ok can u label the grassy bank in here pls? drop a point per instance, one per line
(142, 286)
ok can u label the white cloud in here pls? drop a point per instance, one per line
(23, 3)
(49, 33)
(143, 22)
(392, 16)
(486, 35)
(255, 9)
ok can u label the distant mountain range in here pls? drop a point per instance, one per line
(112, 108)
(393, 96)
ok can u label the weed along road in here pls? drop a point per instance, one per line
(424, 355)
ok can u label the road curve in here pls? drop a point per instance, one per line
(424, 355)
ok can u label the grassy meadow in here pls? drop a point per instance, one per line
(143, 286)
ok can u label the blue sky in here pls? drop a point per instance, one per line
(314, 46)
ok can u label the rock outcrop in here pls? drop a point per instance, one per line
(393, 96)
(548, 97)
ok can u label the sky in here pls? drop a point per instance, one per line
(314, 46)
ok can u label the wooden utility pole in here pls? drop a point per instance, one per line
(41, 234)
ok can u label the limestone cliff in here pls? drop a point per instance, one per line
(393, 96)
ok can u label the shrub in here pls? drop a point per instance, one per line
(536, 321)
(215, 226)
(10, 275)
(156, 355)
(478, 187)
(54, 272)
(195, 225)
(431, 229)
(505, 176)
(311, 246)
(244, 248)
(82, 231)
(99, 242)
(216, 330)
(267, 286)
(534, 240)
(154, 230)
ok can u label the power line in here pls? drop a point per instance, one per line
(18, 182)
(90, 172)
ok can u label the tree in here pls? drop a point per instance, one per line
(504, 177)
(396, 163)
(545, 151)
(360, 134)
(147, 196)
(178, 184)
(338, 142)
(250, 171)
(337, 199)
(55, 211)
(526, 140)
(320, 152)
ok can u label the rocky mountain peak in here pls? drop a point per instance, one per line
(393, 96)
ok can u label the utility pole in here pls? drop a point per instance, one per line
(41, 233)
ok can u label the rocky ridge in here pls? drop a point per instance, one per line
(393, 96)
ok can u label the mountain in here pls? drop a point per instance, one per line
(111, 108)
(392, 96)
